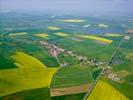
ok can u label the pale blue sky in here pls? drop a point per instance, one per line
(70, 6)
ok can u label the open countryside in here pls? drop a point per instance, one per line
(66, 50)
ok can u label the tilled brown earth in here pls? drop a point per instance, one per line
(69, 90)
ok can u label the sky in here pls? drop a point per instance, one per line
(70, 6)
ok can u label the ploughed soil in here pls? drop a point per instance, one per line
(70, 90)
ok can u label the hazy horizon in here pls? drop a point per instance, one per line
(99, 7)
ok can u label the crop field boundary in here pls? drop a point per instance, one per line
(98, 78)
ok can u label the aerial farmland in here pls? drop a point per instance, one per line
(65, 54)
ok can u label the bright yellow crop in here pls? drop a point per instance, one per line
(21, 33)
(97, 38)
(42, 35)
(53, 28)
(22, 60)
(113, 34)
(30, 74)
(61, 34)
(104, 91)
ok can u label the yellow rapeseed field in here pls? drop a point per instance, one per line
(113, 34)
(22, 60)
(61, 34)
(15, 34)
(104, 40)
(42, 35)
(17, 80)
(104, 91)
(53, 28)
(30, 74)
(72, 20)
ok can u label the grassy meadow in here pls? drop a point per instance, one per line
(64, 77)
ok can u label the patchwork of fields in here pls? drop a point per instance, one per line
(62, 58)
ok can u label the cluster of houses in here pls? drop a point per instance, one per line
(110, 75)
(55, 50)
(126, 37)
(129, 34)
(82, 59)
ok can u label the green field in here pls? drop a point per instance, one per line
(72, 76)
(124, 87)
(32, 94)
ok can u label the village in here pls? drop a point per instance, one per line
(55, 51)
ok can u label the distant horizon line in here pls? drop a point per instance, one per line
(67, 13)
